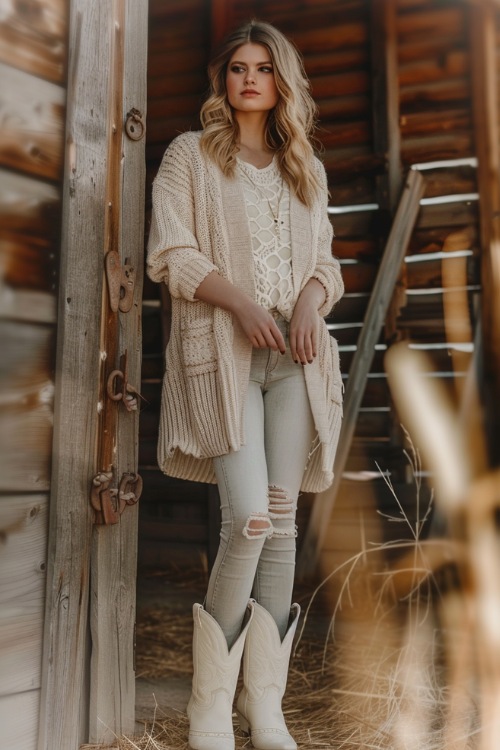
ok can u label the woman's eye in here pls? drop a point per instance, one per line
(266, 69)
(237, 69)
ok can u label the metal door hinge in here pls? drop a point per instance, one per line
(119, 389)
(110, 502)
(121, 282)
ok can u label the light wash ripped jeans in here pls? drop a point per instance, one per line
(258, 487)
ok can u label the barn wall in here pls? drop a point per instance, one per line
(32, 69)
(336, 38)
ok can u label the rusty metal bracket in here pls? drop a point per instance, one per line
(130, 489)
(110, 502)
(121, 282)
(135, 127)
(127, 394)
(103, 498)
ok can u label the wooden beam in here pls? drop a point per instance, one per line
(483, 33)
(394, 253)
(33, 113)
(114, 547)
(221, 19)
(385, 101)
(64, 699)
(33, 37)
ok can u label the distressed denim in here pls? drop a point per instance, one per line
(259, 487)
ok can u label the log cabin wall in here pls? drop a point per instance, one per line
(338, 38)
(32, 69)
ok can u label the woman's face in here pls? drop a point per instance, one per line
(250, 82)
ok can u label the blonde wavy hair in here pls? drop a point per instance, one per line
(290, 125)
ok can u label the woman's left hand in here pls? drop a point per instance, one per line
(305, 321)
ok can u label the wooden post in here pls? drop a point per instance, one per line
(385, 103)
(483, 22)
(114, 547)
(386, 133)
(82, 694)
(64, 699)
(374, 319)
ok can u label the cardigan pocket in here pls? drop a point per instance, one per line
(201, 369)
(198, 348)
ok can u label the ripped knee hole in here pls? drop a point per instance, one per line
(257, 526)
(281, 505)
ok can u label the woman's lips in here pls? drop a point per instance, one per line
(250, 92)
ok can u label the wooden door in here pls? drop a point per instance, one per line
(88, 675)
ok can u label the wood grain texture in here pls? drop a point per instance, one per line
(18, 718)
(23, 530)
(31, 123)
(32, 37)
(64, 698)
(26, 395)
(28, 205)
(114, 548)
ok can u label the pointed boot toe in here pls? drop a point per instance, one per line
(215, 673)
(265, 670)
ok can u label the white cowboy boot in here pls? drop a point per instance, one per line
(265, 670)
(215, 673)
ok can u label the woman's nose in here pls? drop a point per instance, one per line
(249, 77)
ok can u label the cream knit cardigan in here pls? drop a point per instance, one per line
(199, 224)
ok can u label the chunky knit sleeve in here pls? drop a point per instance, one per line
(327, 270)
(173, 252)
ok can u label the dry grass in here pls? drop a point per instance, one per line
(373, 675)
(380, 682)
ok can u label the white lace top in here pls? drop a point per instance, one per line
(267, 200)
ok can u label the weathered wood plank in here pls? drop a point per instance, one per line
(340, 84)
(32, 36)
(26, 431)
(437, 146)
(64, 697)
(28, 205)
(385, 104)
(450, 120)
(23, 529)
(337, 135)
(32, 116)
(26, 362)
(26, 395)
(432, 239)
(425, 96)
(336, 61)
(19, 720)
(459, 214)
(433, 21)
(450, 64)
(114, 549)
(28, 262)
(38, 307)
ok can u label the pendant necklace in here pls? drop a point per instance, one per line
(278, 222)
(275, 210)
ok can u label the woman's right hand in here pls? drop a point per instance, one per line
(259, 326)
(257, 323)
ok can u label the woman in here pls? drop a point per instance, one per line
(252, 389)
